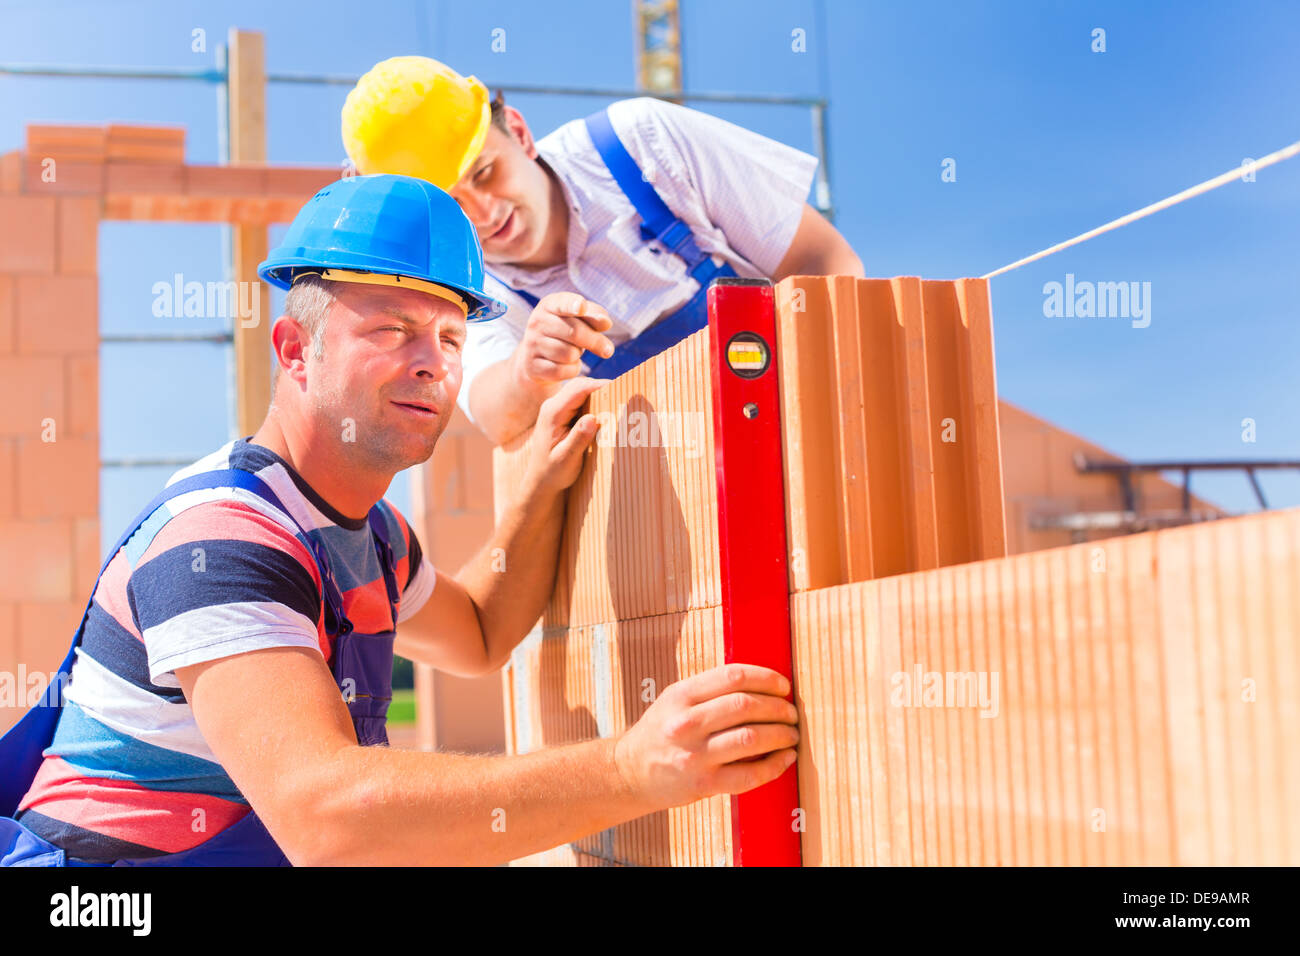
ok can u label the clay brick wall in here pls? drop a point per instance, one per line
(872, 488)
(49, 393)
(890, 426)
(1122, 735)
(1142, 694)
(637, 596)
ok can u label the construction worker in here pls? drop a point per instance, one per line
(602, 237)
(230, 680)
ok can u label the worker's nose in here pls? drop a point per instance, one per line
(477, 206)
(434, 362)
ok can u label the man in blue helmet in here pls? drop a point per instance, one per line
(602, 236)
(230, 680)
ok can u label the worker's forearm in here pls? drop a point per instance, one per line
(382, 806)
(504, 407)
(843, 263)
(511, 579)
(834, 257)
(833, 263)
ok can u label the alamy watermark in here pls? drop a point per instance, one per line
(76, 908)
(23, 688)
(1102, 300)
(638, 429)
(208, 300)
(918, 688)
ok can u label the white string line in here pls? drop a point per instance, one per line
(1236, 173)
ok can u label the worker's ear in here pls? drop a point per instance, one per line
(289, 340)
(520, 132)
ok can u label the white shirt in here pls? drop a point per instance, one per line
(741, 194)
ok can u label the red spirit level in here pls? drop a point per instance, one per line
(751, 536)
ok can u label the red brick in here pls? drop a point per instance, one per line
(73, 142)
(7, 330)
(134, 132)
(27, 234)
(8, 639)
(45, 629)
(82, 376)
(146, 179)
(476, 452)
(31, 391)
(61, 176)
(35, 561)
(147, 152)
(164, 144)
(9, 717)
(78, 231)
(244, 181)
(455, 538)
(8, 478)
(58, 314)
(237, 211)
(86, 555)
(58, 479)
(11, 172)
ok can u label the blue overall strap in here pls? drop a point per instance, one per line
(663, 335)
(380, 528)
(22, 748)
(657, 223)
(657, 220)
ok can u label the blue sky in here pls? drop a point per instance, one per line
(1049, 139)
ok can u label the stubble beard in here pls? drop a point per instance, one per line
(368, 438)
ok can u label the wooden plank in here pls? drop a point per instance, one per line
(249, 244)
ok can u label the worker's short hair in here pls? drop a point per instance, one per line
(499, 112)
(308, 300)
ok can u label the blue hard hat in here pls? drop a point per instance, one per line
(387, 225)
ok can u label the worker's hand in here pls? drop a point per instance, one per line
(557, 444)
(561, 328)
(694, 740)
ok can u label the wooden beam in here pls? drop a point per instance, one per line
(249, 242)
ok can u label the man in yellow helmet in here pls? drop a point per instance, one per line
(637, 207)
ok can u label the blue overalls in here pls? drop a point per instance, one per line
(657, 222)
(362, 665)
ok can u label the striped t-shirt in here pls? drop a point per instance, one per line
(213, 573)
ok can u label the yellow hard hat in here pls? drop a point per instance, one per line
(413, 116)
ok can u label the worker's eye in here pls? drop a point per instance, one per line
(483, 173)
(455, 343)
